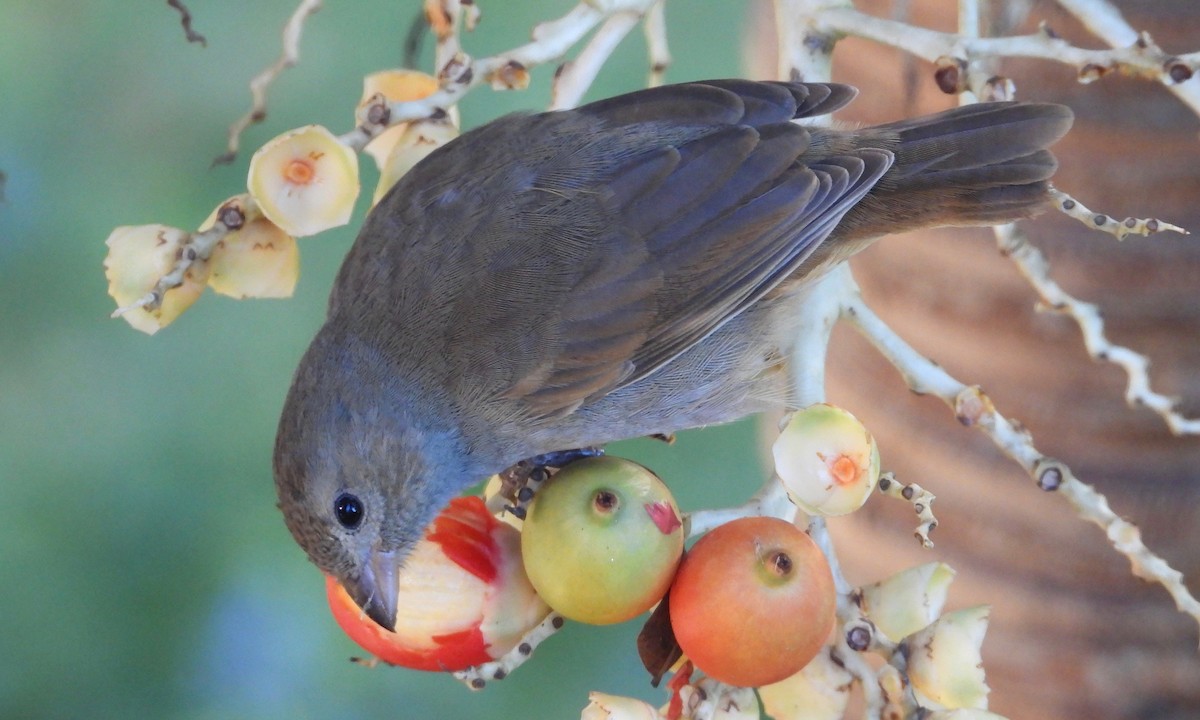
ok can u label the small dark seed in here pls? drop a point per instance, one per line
(884, 484)
(232, 217)
(948, 80)
(1179, 72)
(478, 683)
(525, 649)
(919, 507)
(525, 494)
(1152, 225)
(1130, 222)
(499, 674)
(859, 638)
(1068, 204)
(1050, 479)
(1100, 219)
(908, 493)
(557, 622)
(379, 114)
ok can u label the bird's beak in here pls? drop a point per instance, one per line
(375, 591)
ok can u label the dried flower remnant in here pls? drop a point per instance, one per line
(944, 662)
(257, 259)
(138, 256)
(417, 141)
(909, 600)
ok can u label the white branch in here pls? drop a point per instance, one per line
(655, 28)
(576, 76)
(197, 247)
(1141, 58)
(1104, 20)
(460, 73)
(1033, 265)
(478, 676)
(974, 408)
(292, 32)
(1120, 229)
(921, 501)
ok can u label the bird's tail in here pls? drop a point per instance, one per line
(979, 164)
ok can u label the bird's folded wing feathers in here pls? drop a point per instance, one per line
(558, 257)
(718, 221)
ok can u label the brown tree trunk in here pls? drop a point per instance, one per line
(1073, 634)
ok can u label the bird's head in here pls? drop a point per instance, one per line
(359, 479)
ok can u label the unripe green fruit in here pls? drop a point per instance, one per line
(602, 540)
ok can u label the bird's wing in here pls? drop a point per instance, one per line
(630, 229)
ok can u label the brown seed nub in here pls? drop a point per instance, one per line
(1050, 479)
(606, 501)
(858, 638)
(1178, 72)
(780, 563)
(379, 114)
(949, 74)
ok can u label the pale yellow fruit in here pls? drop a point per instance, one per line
(827, 460)
(305, 180)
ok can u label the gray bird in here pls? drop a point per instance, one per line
(630, 267)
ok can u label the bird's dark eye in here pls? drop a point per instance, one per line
(349, 511)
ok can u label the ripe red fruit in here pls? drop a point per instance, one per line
(464, 597)
(753, 602)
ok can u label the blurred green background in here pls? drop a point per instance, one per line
(144, 569)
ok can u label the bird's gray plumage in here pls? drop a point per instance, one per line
(633, 266)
